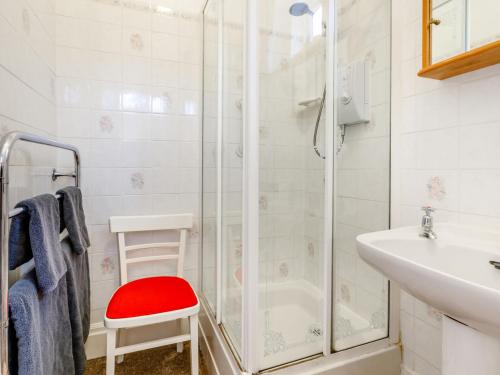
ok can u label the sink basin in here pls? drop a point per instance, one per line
(451, 273)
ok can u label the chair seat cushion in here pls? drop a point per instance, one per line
(151, 295)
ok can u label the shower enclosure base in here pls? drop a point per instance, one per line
(378, 358)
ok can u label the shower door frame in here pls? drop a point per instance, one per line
(251, 174)
(248, 358)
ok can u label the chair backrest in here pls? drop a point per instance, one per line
(148, 223)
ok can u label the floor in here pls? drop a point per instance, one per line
(161, 361)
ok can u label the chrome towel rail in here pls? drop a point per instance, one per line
(56, 175)
(6, 147)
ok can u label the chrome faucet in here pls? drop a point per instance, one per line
(428, 224)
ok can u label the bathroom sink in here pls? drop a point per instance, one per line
(452, 273)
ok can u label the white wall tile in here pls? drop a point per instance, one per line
(479, 146)
(165, 47)
(165, 73)
(165, 100)
(189, 50)
(165, 23)
(137, 18)
(136, 98)
(477, 108)
(478, 192)
(189, 76)
(445, 136)
(437, 149)
(27, 94)
(136, 126)
(136, 70)
(107, 96)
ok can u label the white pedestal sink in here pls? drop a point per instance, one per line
(467, 351)
(452, 273)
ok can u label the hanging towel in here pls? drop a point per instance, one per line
(73, 218)
(35, 234)
(78, 283)
(41, 333)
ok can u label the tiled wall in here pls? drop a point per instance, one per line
(27, 90)
(445, 153)
(128, 89)
(310, 253)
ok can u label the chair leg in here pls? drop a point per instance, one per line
(193, 328)
(110, 351)
(180, 345)
(120, 339)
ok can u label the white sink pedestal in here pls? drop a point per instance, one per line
(467, 351)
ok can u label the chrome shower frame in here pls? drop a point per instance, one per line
(6, 148)
(220, 353)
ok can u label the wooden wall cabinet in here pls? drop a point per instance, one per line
(473, 59)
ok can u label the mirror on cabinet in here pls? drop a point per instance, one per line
(459, 36)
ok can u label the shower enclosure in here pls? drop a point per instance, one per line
(287, 184)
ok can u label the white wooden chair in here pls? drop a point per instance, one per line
(151, 300)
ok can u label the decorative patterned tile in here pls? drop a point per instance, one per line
(284, 270)
(26, 21)
(106, 124)
(436, 188)
(107, 266)
(379, 319)
(343, 327)
(274, 342)
(263, 203)
(345, 293)
(137, 42)
(311, 251)
(137, 180)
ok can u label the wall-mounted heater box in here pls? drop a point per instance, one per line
(354, 105)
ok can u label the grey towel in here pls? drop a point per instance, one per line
(35, 233)
(78, 283)
(40, 336)
(73, 218)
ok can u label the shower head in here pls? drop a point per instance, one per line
(299, 9)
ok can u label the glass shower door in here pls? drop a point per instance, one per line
(222, 165)
(266, 250)
(292, 82)
(362, 176)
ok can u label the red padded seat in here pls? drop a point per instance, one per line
(151, 295)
